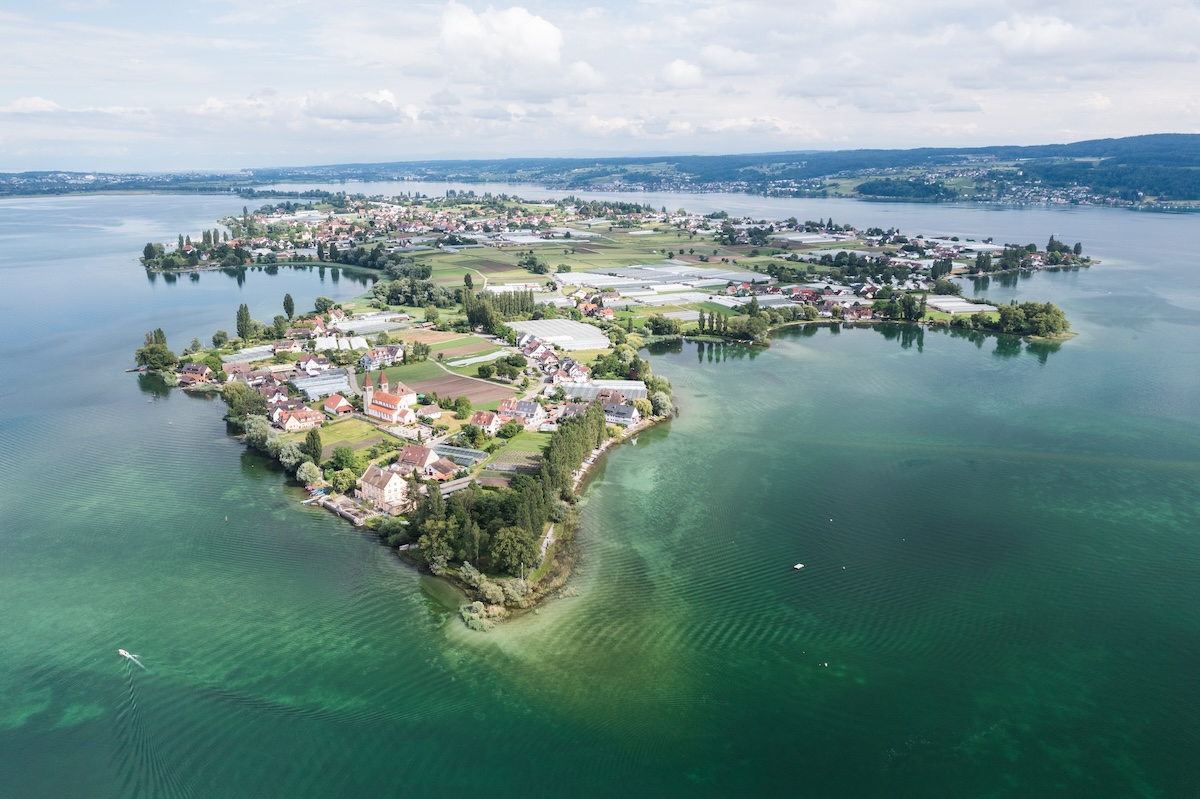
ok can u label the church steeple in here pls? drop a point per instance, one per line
(383, 381)
(368, 390)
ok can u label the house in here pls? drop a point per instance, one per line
(337, 405)
(271, 392)
(301, 419)
(337, 315)
(571, 410)
(572, 371)
(606, 395)
(414, 458)
(193, 374)
(289, 345)
(623, 415)
(486, 421)
(530, 413)
(442, 469)
(378, 357)
(383, 488)
(430, 411)
(237, 370)
(312, 365)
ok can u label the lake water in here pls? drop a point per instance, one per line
(1000, 593)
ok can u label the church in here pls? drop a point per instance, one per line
(386, 405)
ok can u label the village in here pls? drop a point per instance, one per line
(495, 328)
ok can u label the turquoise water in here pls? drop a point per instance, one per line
(1016, 616)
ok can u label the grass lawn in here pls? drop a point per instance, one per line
(467, 343)
(413, 372)
(354, 433)
(526, 441)
(715, 308)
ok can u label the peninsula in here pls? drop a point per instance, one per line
(456, 406)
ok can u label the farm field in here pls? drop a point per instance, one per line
(479, 392)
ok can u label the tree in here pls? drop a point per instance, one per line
(242, 401)
(149, 253)
(943, 286)
(512, 549)
(344, 458)
(291, 456)
(752, 309)
(243, 321)
(258, 432)
(462, 407)
(280, 324)
(155, 356)
(220, 339)
(308, 473)
(468, 282)
(289, 306)
(510, 428)
(1078, 249)
(312, 445)
(320, 251)
(343, 480)
(322, 304)
(431, 313)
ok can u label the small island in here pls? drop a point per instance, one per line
(455, 408)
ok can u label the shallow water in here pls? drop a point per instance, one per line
(999, 544)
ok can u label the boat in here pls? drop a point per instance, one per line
(798, 566)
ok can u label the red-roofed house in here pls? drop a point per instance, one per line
(301, 419)
(337, 405)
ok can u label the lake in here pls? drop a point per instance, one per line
(999, 598)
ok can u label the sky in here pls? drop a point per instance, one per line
(109, 85)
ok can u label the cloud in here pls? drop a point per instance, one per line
(721, 60)
(1096, 102)
(31, 105)
(371, 107)
(1034, 35)
(513, 35)
(679, 74)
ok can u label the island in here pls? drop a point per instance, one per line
(456, 407)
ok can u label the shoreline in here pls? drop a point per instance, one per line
(565, 556)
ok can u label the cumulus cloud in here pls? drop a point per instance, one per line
(461, 77)
(679, 74)
(512, 35)
(373, 107)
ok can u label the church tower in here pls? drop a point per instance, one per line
(368, 390)
(383, 382)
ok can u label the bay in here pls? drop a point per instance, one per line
(1016, 615)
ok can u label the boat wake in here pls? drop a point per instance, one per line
(131, 657)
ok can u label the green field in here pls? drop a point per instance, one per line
(414, 372)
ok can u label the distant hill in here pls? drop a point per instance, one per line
(1166, 166)
(1161, 169)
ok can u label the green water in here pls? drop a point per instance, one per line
(1000, 549)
